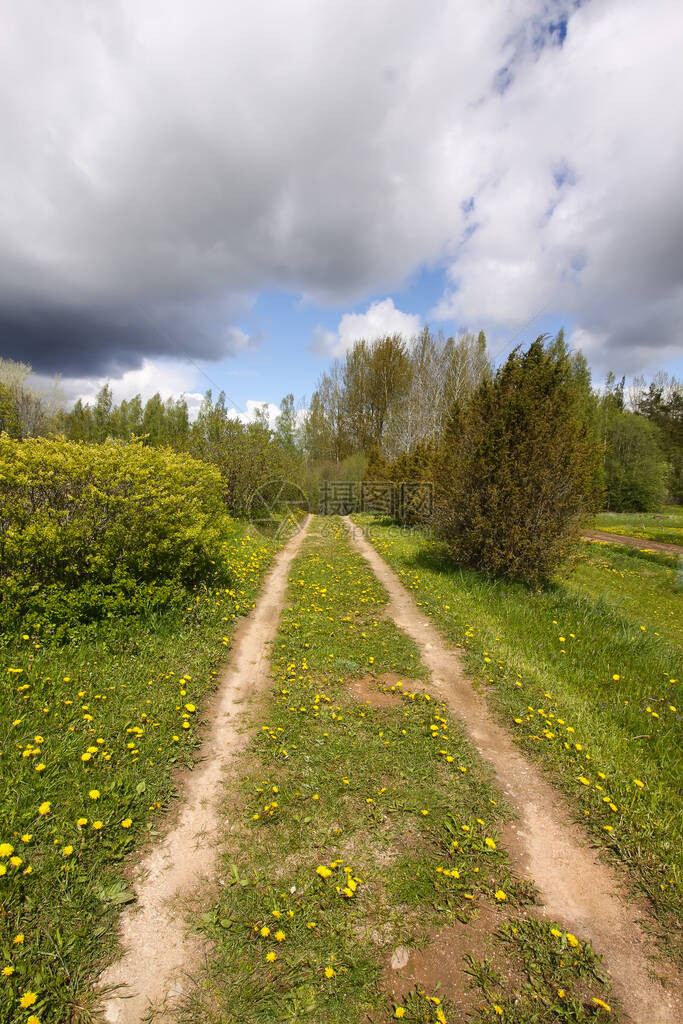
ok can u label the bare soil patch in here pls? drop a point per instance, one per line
(440, 966)
(376, 690)
(151, 977)
(576, 887)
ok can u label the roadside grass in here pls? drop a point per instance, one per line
(665, 526)
(356, 829)
(91, 733)
(635, 584)
(585, 674)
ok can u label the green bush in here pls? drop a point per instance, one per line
(91, 530)
(517, 465)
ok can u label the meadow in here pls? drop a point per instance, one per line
(362, 820)
(585, 672)
(94, 730)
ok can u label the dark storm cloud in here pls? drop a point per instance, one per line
(84, 343)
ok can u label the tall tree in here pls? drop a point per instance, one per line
(517, 466)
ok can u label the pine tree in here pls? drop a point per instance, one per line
(517, 465)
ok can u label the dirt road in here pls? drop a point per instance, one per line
(159, 953)
(633, 542)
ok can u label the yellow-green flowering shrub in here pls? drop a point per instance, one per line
(106, 524)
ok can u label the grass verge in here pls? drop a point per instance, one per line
(91, 734)
(363, 823)
(586, 675)
(665, 526)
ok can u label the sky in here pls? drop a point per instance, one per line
(226, 194)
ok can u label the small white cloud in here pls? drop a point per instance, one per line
(380, 319)
(237, 340)
(254, 407)
(589, 342)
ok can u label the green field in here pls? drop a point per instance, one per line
(586, 674)
(665, 526)
(91, 733)
(356, 829)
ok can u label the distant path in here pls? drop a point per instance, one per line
(151, 976)
(633, 542)
(576, 886)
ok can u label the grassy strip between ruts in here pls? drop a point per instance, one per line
(585, 674)
(357, 828)
(91, 733)
(665, 526)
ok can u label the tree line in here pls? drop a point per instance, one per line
(384, 411)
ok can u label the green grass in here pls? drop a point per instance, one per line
(665, 526)
(91, 731)
(586, 676)
(355, 829)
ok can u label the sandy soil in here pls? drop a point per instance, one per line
(374, 691)
(577, 888)
(159, 952)
(634, 542)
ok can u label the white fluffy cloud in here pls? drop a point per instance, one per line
(380, 318)
(170, 161)
(255, 408)
(167, 379)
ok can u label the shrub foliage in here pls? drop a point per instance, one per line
(517, 465)
(102, 523)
